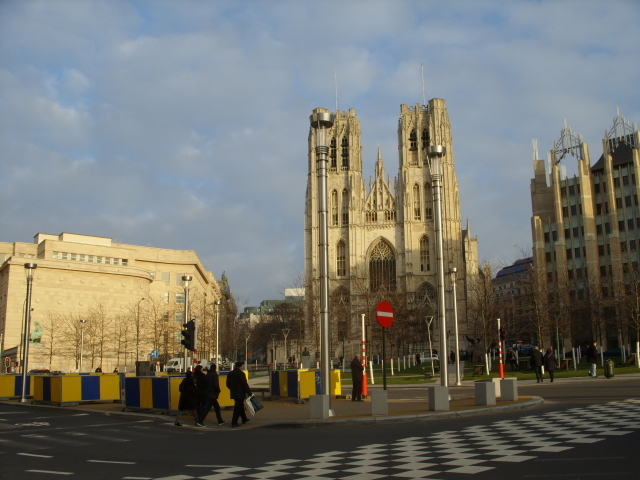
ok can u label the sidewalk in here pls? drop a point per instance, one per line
(285, 413)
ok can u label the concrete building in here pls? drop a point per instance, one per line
(382, 235)
(585, 231)
(132, 297)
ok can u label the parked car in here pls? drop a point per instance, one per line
(39, 371)
(427, 357)
(613, 352)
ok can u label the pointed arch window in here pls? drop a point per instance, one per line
(427, 295)
(345, 207)
(416, 202)
(345, 153)
(332, 153)
(382, 267)
(341, 259)
(413, 140)
(425, 258)
(334, 207)
(428, 202)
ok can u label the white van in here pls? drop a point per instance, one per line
(175, 364)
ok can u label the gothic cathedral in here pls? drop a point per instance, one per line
(382, 237)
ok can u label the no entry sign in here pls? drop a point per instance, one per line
(384, 314)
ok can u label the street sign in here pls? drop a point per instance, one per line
(384, 314)
(154, 353)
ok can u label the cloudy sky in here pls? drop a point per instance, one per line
(183, 124)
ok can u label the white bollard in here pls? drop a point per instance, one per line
(398, 363)
(373, 381)
(575, 364)
(392, 367)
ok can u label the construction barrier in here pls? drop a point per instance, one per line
(76, 388)
(302, 383)
(11, 385)
(163, 393)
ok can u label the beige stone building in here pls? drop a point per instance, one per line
(132, 297)
(381, 234)
(586, 236)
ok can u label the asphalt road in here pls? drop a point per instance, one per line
(586, 429)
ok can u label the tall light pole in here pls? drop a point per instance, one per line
(82, 324)
(273, 354)
(454, 276)
(185, 281)
(435, 153)
(285, 332)
(217, 304)
(320, 121)
(246, 350)
(138, 329)
(30, 267)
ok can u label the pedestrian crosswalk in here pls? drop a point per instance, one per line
(472, 450)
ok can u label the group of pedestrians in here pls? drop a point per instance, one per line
(199, 393)
(548, 361)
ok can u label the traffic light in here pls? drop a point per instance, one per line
(189, 334)
(502, 334)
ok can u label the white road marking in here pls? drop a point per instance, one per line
(111, 461)
(50, 471)
(34, 455)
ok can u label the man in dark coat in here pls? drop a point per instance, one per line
(238, 390)
(200, 380)
(212, 391)
(592, 358)
(187, 401)
(356, 377)
(537, 361)
(550, 362)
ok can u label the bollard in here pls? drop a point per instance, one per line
(485, 393)
(438, 398)
(509, 389)
(379, 404)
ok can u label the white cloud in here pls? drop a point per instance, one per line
(184, 124)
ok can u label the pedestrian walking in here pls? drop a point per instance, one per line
(550, 362)
(592, 358)
(356, 378)
(417, 359)
(187, 402)
(200, 379)
(537, 361)
(238, 389)
(212, 392)
(99, 369)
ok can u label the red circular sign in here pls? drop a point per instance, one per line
(384, 314)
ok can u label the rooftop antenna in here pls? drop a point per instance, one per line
(335, 81)
(424, 100)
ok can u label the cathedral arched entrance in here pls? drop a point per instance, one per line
(382, 267)
(426, 296)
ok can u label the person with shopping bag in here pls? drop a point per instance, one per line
(238, 390)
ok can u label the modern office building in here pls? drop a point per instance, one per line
(131, 297)
(382, 242)
(586, 230)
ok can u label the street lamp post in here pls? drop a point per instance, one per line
(246, 350)
(185, 280)
(273, 353)
(217, 304)
(138, 330)
(30, 267)
(285, 332)
(454, 277)
(320, 121)
(435, 153)
(82, 324)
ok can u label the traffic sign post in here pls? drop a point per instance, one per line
(385, 317)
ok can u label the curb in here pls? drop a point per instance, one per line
(424, 417)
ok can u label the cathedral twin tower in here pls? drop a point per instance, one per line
(382, 238)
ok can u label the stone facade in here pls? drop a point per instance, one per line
(77, 275)
(585, 231)
(381, 236)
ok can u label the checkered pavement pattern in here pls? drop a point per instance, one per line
(471, 450)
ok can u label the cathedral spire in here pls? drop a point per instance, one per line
(379, 165)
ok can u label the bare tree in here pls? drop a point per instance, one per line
(53, 335)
